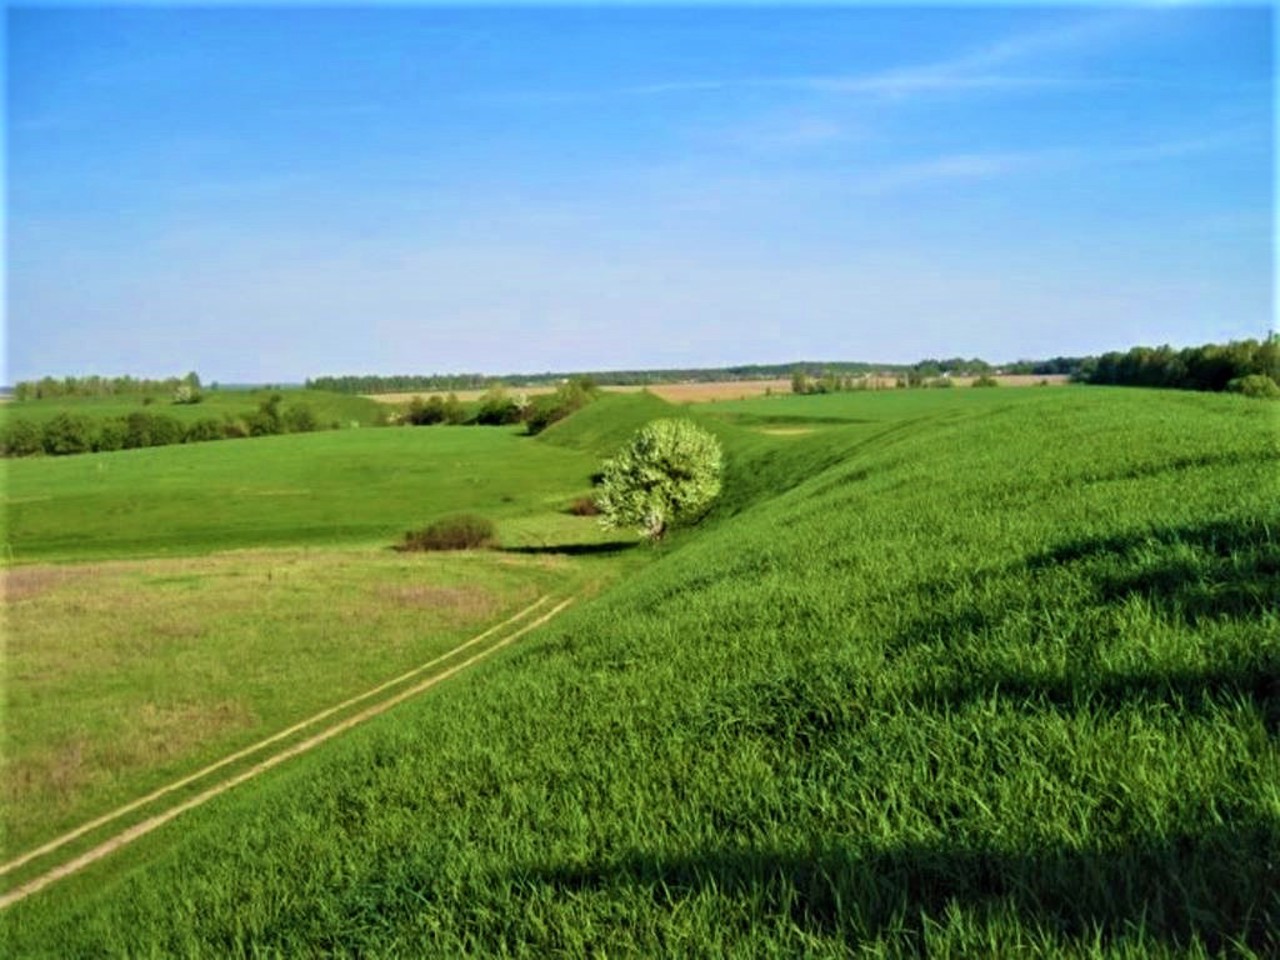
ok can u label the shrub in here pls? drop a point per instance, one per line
(137, 430)
(203, 430)
(22, 438)
(67, 433)
(111, 435)
(186, 393)
(668, 474)
(1255, 385)
(259, 424)
(233, 428)
(454, 411)
(985, 381)
(300, 418)
(166, 430)
(143, 429)
(584, 507)
(266, 420)
(497, 408)
(464, 531)
(423, 413)
(568, 398)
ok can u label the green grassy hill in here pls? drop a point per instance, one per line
(334, 487)
(329, 408)
(959, 676)
(608, 422)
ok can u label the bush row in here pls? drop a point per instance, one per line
(498, 407)
(72, 433)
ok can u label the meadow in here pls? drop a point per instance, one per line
(330, 408)
(953, 672)
(327, 488)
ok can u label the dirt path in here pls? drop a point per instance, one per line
(152, 823)
(254, 748)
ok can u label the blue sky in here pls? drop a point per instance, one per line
(274, 193)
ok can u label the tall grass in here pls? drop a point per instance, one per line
(998, 681)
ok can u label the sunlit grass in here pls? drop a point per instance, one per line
(955, 677)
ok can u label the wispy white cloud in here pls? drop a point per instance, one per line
(959, 166)
(978, 166)
(988, 67)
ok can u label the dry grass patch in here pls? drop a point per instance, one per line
(27, 583)
(122, 675)
(466, 396)
(711, 392)
(470, 603)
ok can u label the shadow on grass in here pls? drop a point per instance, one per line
(576, 549)
(1217, 571)
(1220, 886)
(1195, 691)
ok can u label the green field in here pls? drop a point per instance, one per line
(952, 673)
(331, 409)
(348, 486)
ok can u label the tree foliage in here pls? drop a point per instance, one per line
(668, 474)
(1212, 366)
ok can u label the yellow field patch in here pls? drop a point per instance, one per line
(712, 392)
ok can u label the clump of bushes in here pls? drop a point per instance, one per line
(1255, 385)
(498, 407)
(204, 429)
(67, 433)
(585, 507)
(424, 413)
(142, 429)
(22, 438)
(568, 398)
(985, 381)
(464, 531)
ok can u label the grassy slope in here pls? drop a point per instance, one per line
(607, 423)
(1000, 679)
(350, 486)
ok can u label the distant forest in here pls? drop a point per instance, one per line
(1212, 367)
(94, 386)
(408, 383)
(1242, 365)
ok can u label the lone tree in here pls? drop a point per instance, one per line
(668, 474)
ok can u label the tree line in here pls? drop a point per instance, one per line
(95, 386)
(70, 433)
(1246, 366)
(813, 370)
